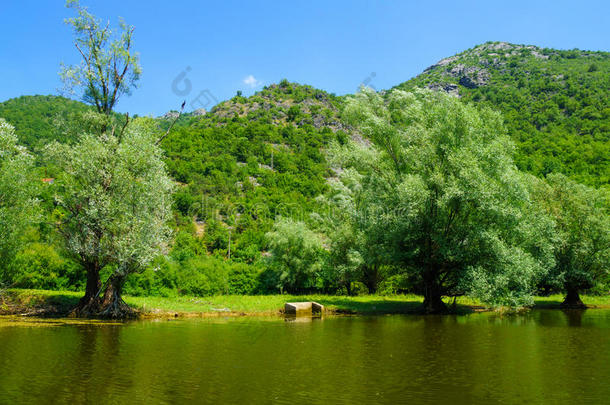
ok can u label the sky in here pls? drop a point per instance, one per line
(205, 51)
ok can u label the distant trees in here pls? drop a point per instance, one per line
(439, 183)
(356, 247)
(296, 256)
(43, 119)
(582, 218)
(345, 262)
(18, 202)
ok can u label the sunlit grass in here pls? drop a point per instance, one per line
(268, 304)
(18, 301)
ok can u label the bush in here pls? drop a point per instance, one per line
(395, 284)
(160, 279)
(40, 266)
(243, 279)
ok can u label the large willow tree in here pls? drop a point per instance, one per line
(114, 204)
(109, 68)
(435, 180)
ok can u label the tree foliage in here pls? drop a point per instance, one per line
(109, 67)
(296, 256)
(582, 218)
(18, 202)
(439, 183)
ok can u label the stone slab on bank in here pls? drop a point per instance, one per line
(303, 308)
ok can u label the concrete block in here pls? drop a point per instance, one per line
(317, 308)
(303, 308)
(295, 308)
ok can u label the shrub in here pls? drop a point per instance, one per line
(41, 266)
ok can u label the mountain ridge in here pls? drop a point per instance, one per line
(555, 105)
(555, 102)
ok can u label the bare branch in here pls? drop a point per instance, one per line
(172, 125)
(124, 126)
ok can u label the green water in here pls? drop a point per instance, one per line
(542, 356)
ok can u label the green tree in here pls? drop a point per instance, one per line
(357, 250)
(114, 198)
(345, 263)
(18, 203)
(296, 255)
(439, 182)
(109, 67)
(582, 218)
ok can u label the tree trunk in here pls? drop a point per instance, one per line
(89, 304)
(371, 278)
(433, 303)
(348, 288)
(572, 300)
(112, 305)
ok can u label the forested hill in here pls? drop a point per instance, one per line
(41, 119)
(555, 103)
(251, 159)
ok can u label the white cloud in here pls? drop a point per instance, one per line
(252, 81)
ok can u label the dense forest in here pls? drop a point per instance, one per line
(276, 192)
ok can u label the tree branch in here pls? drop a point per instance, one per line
(172, 124)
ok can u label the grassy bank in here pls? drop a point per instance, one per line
(59, 303)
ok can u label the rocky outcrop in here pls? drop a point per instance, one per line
(472, 68)
(171, 115)
(450, 88)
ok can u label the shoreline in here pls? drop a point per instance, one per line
(58, 304)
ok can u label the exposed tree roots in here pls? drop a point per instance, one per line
(434, 305)
(573, 301)
(110, 306)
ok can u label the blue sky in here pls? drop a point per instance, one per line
(225, 46)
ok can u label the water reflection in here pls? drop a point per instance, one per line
(302, 319)
(537, 357)
(574, 316)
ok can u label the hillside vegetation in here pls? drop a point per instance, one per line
(250, 160)
(39, 120)
(253, 159)
(554, 103)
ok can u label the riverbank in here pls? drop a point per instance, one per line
(60, 303)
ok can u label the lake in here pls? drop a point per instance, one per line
(482, 358)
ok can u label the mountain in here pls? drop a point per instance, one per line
(38, 119)
(253, 158)
(238, 166)
(554, 102)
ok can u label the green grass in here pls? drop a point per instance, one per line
(553, 301)
(59, 303)
(268, 304)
